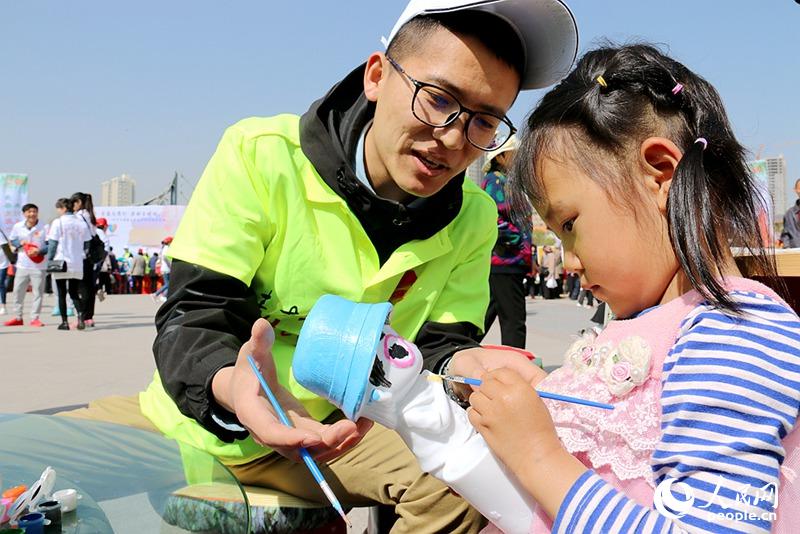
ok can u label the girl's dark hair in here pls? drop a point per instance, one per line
(713, 202)
(86, 203)
(64, 203)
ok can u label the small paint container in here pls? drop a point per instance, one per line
(51, 511)
(68, 499)
(32, 523)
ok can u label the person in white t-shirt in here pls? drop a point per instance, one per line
(67, 240)
(104, 267)
(83, 207)
(29, 236)
(166, 268)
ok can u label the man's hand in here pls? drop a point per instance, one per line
(476, 361)
(237, 389)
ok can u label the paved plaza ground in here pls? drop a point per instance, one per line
(44, 368)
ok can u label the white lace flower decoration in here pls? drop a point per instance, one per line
(627, 366)
(581, 354)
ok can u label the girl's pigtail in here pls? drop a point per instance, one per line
(693, 225)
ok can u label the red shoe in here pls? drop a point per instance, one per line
(16, 321)
(37, 322)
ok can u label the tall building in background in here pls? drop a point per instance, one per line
(475, 170)
(118, 191)
(776, 181)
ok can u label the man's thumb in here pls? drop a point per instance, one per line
(262, 337)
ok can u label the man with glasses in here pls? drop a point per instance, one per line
(363, 196)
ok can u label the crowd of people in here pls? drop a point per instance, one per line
(73, 256)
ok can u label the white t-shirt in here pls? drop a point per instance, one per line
(165, 263)
(71, 233)
(37, 235)
(84, 214)
(3, 259)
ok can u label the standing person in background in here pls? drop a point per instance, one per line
(146, 278)
(83, 207)
(61, 208)
(551, 273)
(102, 226)
(123, 269)
(29, 236)
(790, 236)
(138, 267)
(573, 285)
(153, 268)
(166, 268)
(511, 255)
(67, 240)
(586, 294)
(104, 278)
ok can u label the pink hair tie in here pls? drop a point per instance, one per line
(702, 140)
(677, 89)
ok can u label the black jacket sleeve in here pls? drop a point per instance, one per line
(439, 341)
(201, 326)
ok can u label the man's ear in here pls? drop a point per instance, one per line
(659, 157)
(374, 74)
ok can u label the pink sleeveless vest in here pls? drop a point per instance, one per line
(623, 366)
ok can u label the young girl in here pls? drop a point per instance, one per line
(632, 162)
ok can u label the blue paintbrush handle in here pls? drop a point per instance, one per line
(575, 400)
(304, 454)
(543, 394)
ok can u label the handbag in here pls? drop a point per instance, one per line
(56, 266)
(551, 282)
(97, 249)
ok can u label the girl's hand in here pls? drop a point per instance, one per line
(513, 420)
(474, 362)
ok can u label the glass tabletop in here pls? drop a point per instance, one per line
(129, 480)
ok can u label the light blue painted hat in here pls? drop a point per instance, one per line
(336, 349)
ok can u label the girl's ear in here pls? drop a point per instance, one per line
(373, 75)
(659, 157)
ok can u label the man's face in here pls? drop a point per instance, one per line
(405, 157)
(797, 188)
(31, 216)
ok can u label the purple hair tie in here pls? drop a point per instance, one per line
(677, 89)
(702, 140)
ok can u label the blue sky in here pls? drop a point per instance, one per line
(93, 89)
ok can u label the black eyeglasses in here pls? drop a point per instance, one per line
(437, 107)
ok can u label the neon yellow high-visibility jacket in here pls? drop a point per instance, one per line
(267, 225)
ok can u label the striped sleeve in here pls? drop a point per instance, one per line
(731, 393)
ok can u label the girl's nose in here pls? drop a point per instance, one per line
(572, 262)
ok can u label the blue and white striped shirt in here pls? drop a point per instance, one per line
(731, 393)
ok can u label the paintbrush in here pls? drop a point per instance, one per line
(543, 394)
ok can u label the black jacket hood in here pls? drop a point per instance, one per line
(329, 134)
